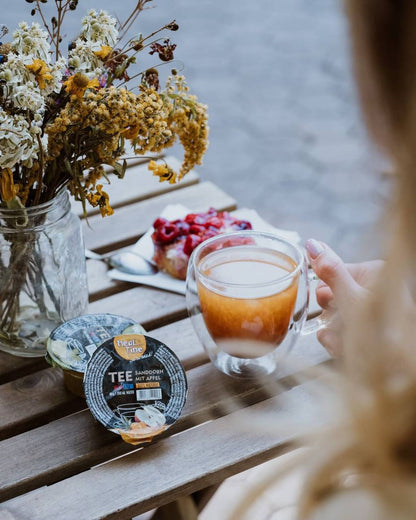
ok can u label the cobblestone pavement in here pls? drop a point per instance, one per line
(286, 136)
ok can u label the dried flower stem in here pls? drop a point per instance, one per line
(45, 24)
(40, 172)
(133, 16)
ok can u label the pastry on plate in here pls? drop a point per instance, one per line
(174, 240)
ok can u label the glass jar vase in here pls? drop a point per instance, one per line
(43, 279)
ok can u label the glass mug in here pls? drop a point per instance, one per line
(247, 294)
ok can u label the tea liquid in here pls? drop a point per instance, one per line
(243, 294)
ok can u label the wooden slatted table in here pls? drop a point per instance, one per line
(56, 462)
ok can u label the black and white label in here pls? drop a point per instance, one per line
(135, 380)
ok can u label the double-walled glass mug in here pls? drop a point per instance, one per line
(247, 294)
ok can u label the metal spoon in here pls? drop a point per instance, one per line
(126, 261)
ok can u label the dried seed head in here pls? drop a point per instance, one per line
(173, 26)
(138, 46)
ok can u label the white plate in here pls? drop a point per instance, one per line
(161, 280)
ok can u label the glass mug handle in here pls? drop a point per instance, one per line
(320, 322)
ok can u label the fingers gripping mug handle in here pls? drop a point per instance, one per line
(319, 323)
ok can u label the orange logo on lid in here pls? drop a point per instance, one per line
(130, 346)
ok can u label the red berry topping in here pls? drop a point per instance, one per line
(196, 229)
(182, 226)
(215, 222)
(190, 218)
(167, 233)
(243, 224)
(200, 218)
(160, 222)
(190, 243)
(209, 233)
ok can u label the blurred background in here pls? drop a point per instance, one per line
(286, 136)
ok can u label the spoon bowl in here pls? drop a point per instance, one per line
(126, 261)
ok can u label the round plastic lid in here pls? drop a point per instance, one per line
(135, 386)
(71, 344)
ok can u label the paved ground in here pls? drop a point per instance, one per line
(286, 136)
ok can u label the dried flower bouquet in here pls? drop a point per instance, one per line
(63, 116)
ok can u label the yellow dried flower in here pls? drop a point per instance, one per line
(163, 171)
(100, 198)
(8, 189)
(41, 72)
(188, 120)
(104, 52)
(78, 83)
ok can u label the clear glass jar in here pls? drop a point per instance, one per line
(43, 280)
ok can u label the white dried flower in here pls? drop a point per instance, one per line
(20, 87)
(57, 72)
(14, 71)
(28, 96)
(82, 59)
(99, 29)
(30, 43)
(18, 141)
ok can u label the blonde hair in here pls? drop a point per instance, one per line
(371, 452)
(378, 451)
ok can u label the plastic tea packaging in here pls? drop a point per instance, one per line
(71, 345)
(135, 386)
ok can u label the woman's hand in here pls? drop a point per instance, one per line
(340, 287)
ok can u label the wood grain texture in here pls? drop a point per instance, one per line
(48, 398)
(100, 285)
(32, 400)
(138, 184)
(74, 443)
(173, 467)
(151, 307)
(129, 222)
(12, 367)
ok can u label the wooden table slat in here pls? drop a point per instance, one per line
(175, 466)
(130, 222)
(12, 367)
(50, 400)
(100, 285)
(151, 307)
(74, 443)
(47, 396)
